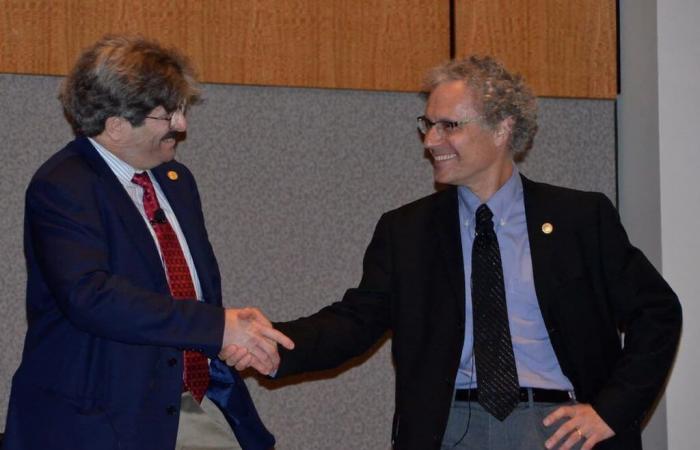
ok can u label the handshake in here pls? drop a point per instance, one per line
(251, 341)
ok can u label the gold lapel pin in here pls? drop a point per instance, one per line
(547, 228)
(172, 175)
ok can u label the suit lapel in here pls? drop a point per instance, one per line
(446, 225)
(124, 208)
(541, 244)
(180, 197)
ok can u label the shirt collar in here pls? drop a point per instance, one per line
(500, 203)
(124, 171)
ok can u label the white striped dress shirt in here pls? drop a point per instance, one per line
(125, 173)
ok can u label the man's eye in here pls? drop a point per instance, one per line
(449, 126)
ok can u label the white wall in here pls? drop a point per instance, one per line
(659, 163)
(679, 158)
(638, 153)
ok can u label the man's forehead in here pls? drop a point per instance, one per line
(450, 97)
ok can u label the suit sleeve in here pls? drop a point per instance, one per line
(649, 314)
(69, 246)
(347, 328)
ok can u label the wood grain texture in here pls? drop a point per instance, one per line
(360, 44)
(564, 48)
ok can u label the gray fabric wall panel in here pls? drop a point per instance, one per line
(293, 182)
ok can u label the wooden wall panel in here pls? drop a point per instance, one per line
(362, 44)
(564, 48)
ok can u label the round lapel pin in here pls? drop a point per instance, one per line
(172, 175)
(547, 228)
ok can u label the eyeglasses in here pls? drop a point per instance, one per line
(170, 118)
(442, 127)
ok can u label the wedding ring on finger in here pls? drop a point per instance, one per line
(580, 435)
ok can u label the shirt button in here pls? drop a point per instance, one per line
(172, 362)
(171, 410)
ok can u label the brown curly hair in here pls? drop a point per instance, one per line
(501, 95)
(125, 76)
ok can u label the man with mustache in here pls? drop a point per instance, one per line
(124, 307)
(506, 297)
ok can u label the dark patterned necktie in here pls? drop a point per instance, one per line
(196, 372)
(496, 375)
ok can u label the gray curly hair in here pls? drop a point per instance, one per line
(501, 95)
(125, 76)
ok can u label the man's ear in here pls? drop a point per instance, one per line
(115, 128)
(503, 130)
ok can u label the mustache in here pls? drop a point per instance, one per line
(174, 134)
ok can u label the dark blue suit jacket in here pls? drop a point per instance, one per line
(102, 361)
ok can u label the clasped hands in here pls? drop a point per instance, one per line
(251, 341)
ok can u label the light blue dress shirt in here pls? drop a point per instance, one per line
(535, 360)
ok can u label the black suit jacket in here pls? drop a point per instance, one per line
(591, 283)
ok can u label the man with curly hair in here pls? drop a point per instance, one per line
(124, 307)
(506, 297)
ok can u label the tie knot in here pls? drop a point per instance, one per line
(142, 180)
(483, 219)
(150, 200)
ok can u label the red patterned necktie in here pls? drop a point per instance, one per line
(196, 375)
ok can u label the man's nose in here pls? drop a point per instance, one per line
(179, 122)
(432, 138)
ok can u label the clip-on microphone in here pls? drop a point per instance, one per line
(158, 217)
